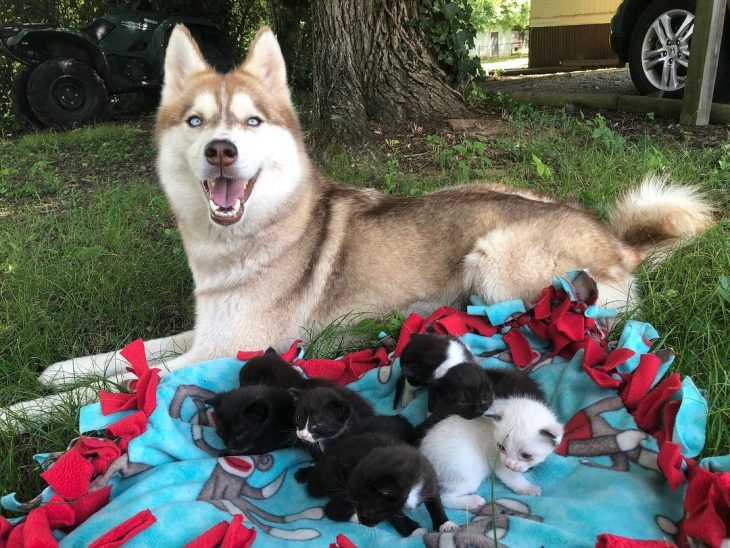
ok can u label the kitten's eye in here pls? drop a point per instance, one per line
(463, 402)
(500, 447)
(253, 121)
(525, 456)
(298, 418)
(194, 121)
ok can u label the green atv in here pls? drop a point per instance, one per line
(69, 74)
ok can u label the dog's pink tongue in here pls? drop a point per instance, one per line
(225, 192)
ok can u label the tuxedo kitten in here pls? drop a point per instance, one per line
(516, 435)
(270, 369)
(465, 390)
(370, 478)
(252, 420)
(510, 382)
(325, 412)
(427, 357)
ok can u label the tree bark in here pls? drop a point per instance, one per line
(371, 62)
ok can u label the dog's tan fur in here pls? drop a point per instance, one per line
(308, 250)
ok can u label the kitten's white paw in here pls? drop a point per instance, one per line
(419, 532)
(354, 519)
(472, 502)
(448, 526)
(531, 490)
(629, 439)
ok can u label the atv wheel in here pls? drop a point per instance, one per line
(66, 92)
(19, 96)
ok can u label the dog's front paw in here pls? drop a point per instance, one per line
(529, 489)
(58, 374)
(448, 526)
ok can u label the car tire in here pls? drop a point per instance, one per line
(19, 97)
(648, 56)
(65, 93)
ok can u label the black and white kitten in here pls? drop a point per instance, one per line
(270, 369)
(252, 420)
(325, 412)
(427, 357)
(370, 478)
(515, 435)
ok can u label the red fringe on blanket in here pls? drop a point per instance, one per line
(554, 317)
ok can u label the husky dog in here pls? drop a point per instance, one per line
(275, 246)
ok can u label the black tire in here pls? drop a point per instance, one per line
(19, 96)
(639, 75)
(66, 93)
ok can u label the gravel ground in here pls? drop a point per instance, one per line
(613, 80)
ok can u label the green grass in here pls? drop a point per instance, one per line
(90, 259)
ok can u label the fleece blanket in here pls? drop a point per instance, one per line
(623, 475)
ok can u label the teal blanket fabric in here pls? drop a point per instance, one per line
(603, 479)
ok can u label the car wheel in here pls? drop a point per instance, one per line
(660, 48)
(19, 95)
(66, 93)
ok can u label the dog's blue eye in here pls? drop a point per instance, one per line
(253, 121)
(194, 121)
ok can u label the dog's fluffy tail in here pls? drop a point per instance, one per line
(656, 217)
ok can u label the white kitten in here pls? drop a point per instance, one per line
(514, 435)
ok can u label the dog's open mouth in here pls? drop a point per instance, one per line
(227, 197)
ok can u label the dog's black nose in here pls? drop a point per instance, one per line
(221, 153)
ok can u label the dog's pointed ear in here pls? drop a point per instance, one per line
(182, 60)
(266, 62)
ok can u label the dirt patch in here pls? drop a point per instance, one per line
(614, 80)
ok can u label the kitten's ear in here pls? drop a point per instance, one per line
(295, 393)
(341, 409)
(258, 411)
(431, 330)
(215, 401)
(270, 352)
(553, 433)
(493, 416)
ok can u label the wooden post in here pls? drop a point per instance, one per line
(702, 70)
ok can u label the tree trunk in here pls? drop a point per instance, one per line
(371, 63)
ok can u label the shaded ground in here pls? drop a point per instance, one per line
(613, 80)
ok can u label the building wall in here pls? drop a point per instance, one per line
(562, 30)
(552, 46)
(556, 13)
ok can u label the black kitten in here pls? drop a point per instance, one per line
(465, 390)
(395, 426)
(427, 357)
(510, 383)
(325, 412)
(270, 369)
(252, 420)
(376, 478)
